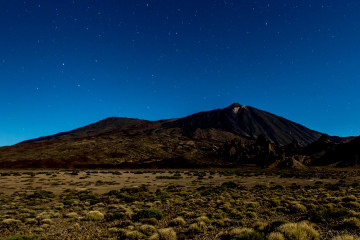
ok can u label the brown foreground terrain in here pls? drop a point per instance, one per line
(248, 203)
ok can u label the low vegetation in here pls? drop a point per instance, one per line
(216, 204)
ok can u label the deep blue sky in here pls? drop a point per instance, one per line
(65, 64)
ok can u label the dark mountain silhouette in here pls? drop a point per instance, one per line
(95, 129)
(341, 139)
(246, 122)
(343, 155)
(192, 141)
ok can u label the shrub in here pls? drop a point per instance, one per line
(41, 194)
(48, 214)
(204, 219)
(31, 221)
(225, 222)
(275, 236)
(127, 233)
(325, 215)
(345, 237)
(72, 215)
(125, 196)
(150, 221)
(68, 202)
(38, 229)
(298, 208)
(300, 230)
(11, 221)
(162, 195)
(199, 227)
(94, 216)
(149, 213)
(134, 235)
(46, 221)
(148, 229)
(125, 223)
(179, 221)
(352, 204)
(88, 197)
(350, 198)
(351, 223)
(167, 234)
(251, 215)
(252, 204)
(242, 234)
(260, 226)
(275, 224)
(274, 202)
(154, 237)
(115, 230)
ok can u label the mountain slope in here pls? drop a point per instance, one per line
(95, 129)
(246, 122)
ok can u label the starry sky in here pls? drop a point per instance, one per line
(65, 64)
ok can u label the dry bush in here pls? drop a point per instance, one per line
(147, 229)
(275, 236)
(301, 230)
(345, 237)
(179, 221)
(164, 234)
(94, 216)
(199, 227)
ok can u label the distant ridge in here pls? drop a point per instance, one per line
(103, 126)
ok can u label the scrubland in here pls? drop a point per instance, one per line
(180, 204)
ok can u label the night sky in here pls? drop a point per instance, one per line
(65, 64)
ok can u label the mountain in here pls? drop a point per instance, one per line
(192, 141)
(246, 122)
